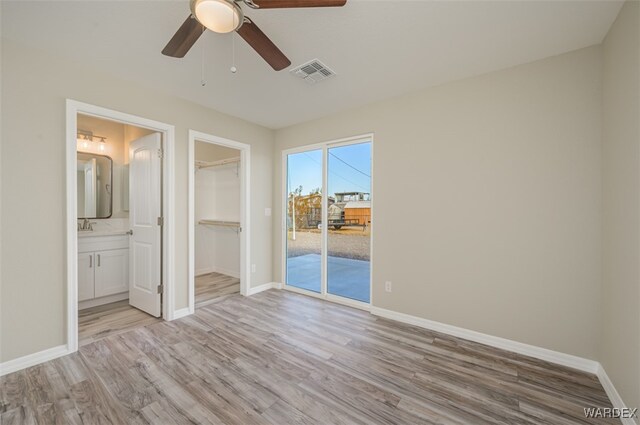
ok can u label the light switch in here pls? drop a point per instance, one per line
(267, 212)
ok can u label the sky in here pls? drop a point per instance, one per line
(349, 169)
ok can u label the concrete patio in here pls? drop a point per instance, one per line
(347, 277)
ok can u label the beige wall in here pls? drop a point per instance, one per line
(620, 350)
(504, 170)
(36, 84)
(210, 152)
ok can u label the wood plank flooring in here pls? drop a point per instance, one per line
(105, 320)
(212, 286)
(283, 358)
(115, 318)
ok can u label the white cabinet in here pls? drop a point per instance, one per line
(112, 272)
(85, 276)
(103, 269)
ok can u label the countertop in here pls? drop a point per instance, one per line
(101, 232)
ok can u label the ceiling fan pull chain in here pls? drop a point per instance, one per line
(202, 79)
(233, 53)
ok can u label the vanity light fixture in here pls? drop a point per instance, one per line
(87, 142)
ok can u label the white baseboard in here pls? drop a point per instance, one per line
(33, 359)
(613, 394)
(181, 313)
(264, 287)
(221, 270)
(103, 300)
(586, 365)
(200, 272)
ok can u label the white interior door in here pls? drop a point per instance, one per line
(144, 212)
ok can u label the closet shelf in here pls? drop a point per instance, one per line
(205, 164)
(234, 224)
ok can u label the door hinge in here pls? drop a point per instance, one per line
(160, 289)
(160, 153)
(160, 221)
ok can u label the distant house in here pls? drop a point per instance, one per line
(357, 213)
(355, 206)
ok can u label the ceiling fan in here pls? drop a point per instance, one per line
(224, 16)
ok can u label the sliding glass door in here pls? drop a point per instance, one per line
(349, 221)
(328, 220)
(304, 215)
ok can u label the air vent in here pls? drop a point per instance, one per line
(313, 72)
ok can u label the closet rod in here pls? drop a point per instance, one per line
(204, 164)
(220, 223)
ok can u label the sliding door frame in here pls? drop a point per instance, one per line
(325, 146)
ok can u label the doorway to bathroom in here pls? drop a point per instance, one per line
(119, 228)
(218, 219)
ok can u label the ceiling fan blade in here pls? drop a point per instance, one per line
(278, 4)
(184, 38)
(261, 44)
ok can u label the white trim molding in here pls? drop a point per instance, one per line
(221, 270)
(180, 313)
(263, 287)
(73, 108)
(82, 305)
(33, 359)
(568, 360)
(613, 394)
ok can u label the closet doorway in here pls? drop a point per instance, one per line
(218, 219)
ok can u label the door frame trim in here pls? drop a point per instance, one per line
(245, 210)
(324, 146)
(73, 108)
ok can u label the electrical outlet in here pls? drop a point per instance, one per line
(387, 286)
(253, 268)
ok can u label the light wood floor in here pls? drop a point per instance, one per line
(106, 320)
(115, 318)
(283, 358)
(211, 287)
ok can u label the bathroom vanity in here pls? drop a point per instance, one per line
(103, 267)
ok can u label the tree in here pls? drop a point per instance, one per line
(297, 191)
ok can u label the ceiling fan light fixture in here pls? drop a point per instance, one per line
(221, 16)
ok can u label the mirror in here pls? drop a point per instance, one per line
(95, 183)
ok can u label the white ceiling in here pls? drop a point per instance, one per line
(379, 49)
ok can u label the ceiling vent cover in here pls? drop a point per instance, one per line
(313, 71)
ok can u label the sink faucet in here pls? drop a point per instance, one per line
(86, 224)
